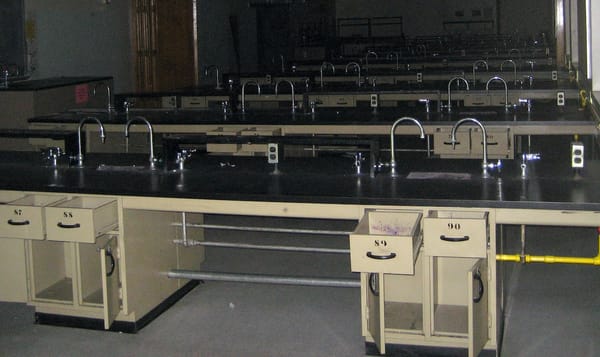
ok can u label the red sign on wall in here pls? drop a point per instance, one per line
(82, 93)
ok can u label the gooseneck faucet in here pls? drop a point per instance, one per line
(357, 67)
(449, 92)
(514, 68)
(391, 55)
(244, 93)
(393, 171)
(324, 65)
(476, 65)
(496, 78)
(370, 53)
(152, 159)
(109, 105)
(484, 165)
(79, 148)
(216, 68)
(291, 86)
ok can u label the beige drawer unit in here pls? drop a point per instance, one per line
(24, 218)
(477, 100)
(456, 233)
(81, 219)
(442, 143)
(499, 143)
(386, 241)
(193, 102)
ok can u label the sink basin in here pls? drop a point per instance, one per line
(122, 168)
(423, 175)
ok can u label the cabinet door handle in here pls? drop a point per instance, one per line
(18, 223)
(68, 226)
(454, 239)
(381, 257)
(112, 263)
(477, 276)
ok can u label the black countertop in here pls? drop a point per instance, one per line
(541, 114)
(450, 183)
(49, 83)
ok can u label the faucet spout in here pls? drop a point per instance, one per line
(324, 65)
(450, 86)
(476, 65)
(216, 69)
(514, 68)
(393, 171)
(484, 165)
(79, 129)
(244, 93)
(109, 105)
(496, 78)
(369, 54)
(152, 159)
(356, 66)
(291, 86)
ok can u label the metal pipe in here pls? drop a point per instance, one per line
(263, 279)
(283, 248)
(550, 259)
(264, 229)
(185, 241)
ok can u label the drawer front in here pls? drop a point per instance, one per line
(456, 234)
(382, 254)
(22, 222)
(193, 102)
(80, 224)
(24, 217)
(386, 241)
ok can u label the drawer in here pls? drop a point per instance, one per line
(24, 218)
(193, 102)
(386, 241)
(456, 234)
(81, 219)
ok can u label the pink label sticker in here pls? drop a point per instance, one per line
(82, 93)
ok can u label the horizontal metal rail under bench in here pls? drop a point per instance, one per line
(260, 278)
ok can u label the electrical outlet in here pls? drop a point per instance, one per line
(555, 75)
(419, 77)
(560, 99)
(577, 150)
(374, 101)
(272, 153)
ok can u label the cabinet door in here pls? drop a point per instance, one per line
(376, 309)
(478, 307)
(110, 281)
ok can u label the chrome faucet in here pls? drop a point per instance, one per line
(476, 65)
(282, 63)
(216, 68)
(4, 83)
(109, 106)
(484, 165)
(450, 86)
(244, 93)
(393, 171)
(514, 68)
(369, 53)
(324, 65)
(152, 159)
(357, 67)
(79, 148)
(496, 78)
(514, 50)
(291, 86)
(391, 55)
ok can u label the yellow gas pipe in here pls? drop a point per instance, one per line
(549, 259)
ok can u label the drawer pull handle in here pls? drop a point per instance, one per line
(477, 276)
(68, 226)
(454, 239)
(109, 254)
(18, 223)
(381, 257)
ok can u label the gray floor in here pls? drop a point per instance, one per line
(552, 310)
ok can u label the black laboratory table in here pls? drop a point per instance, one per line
(155, 210)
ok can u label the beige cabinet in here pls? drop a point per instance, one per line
(444, 300)
(25, 217)
(79, 279)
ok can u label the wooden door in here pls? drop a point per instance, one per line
(165, 44)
